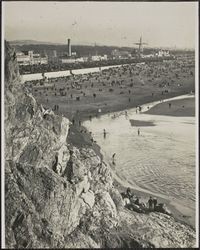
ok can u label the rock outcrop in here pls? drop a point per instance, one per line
(59, 196)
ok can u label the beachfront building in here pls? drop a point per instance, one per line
(99, 58)
(162, 53)
(82, 59)
(95, 58)
(117, 54)
(30, 58)
(22, 58)
(68, 60)
(74, 59)
(104, 57)
(148, 56)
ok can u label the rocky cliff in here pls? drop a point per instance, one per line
(60, 196)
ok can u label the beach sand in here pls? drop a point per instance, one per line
(82, 139)
(182, 107)
(109, 102)
(115, 90)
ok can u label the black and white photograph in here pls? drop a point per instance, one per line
(99, 119)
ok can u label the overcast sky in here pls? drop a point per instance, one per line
(106, 23)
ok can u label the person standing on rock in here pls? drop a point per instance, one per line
(104, 133)
(150, 201)
(138, 131)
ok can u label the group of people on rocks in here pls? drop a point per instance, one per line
(132, 202)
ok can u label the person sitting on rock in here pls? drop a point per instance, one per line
(129, 195)
(137, 202)
(126, 201)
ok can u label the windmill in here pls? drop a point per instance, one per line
(140, 49)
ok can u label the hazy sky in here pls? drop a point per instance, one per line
(106, 23)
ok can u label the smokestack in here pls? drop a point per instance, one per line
(69, 47)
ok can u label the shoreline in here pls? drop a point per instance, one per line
(85, 115)
(183, 107)
(121, 185)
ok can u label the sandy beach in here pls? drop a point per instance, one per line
(122, 97)
(183, 107)
(114, 89)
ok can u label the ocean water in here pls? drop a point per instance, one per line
(161, 160)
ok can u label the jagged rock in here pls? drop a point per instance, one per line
(159, 230)
(42, 207)
(80, 240)
(106, 201)
(88, 198)
(83, 186)
(117, 198)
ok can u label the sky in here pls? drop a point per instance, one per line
(161, 24)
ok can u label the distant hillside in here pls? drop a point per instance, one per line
(81, 50)
(29, 42)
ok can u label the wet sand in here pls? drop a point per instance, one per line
(182, 108)
(83, 139)
(137, 123)
(180, 212)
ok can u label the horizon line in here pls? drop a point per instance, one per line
(98, 44)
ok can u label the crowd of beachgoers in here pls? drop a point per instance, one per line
(123, 86)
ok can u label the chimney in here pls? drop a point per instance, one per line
(69, 47)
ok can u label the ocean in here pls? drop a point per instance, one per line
(160, 161)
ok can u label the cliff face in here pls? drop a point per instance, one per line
(57, 195)
(48, 189)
